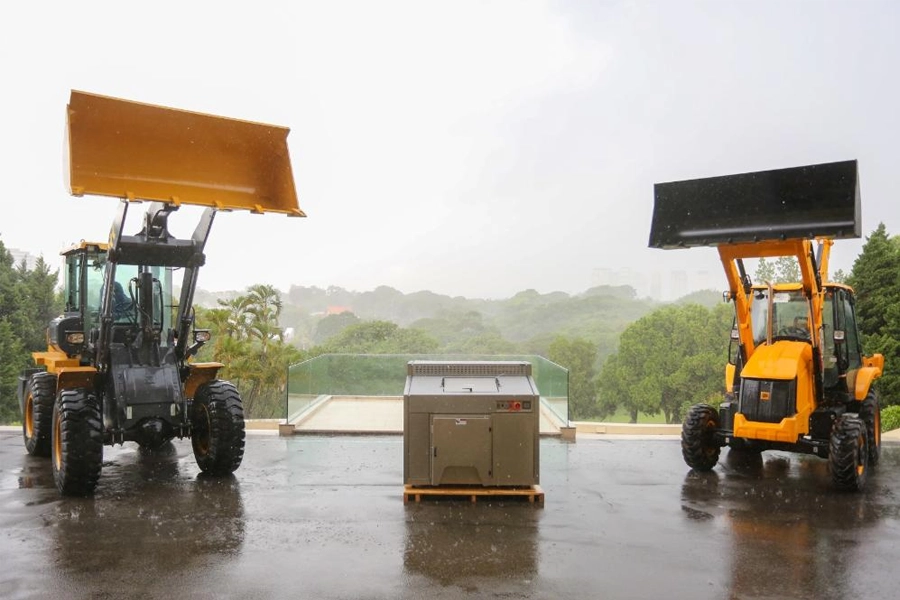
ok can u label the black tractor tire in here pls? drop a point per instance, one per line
(217, 428)
(37, 417)
(698, 444)
(870, 414)
(848, 455)
(77, 447)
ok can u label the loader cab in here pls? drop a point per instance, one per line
(86, 271)
(790, 313)
(841, 348)
(83, 281)
(839, 338)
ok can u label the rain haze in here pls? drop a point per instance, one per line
(468, 148)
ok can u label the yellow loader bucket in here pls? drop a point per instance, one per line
(145, 152)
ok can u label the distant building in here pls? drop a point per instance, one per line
(660, 285)
(18, 255)
(678, 285)
(337, 310)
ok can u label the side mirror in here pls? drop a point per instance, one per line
(201, 336)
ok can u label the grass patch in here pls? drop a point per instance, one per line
(622, 416)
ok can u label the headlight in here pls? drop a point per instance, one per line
(202, 335)
(75, 337)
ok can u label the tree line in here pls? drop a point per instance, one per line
(29, 299)
(675, 356)
(629, 356)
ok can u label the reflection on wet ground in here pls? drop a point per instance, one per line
(449, 540)
(323, 517)
(791, 535)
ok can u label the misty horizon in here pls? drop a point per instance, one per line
(475, 149)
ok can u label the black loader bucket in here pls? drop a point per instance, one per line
(796, 203)
(142, 151)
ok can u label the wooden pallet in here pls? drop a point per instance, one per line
(534, 493)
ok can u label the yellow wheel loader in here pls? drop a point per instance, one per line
(119, 363)
(797, 378)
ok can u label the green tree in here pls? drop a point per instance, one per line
(332, 325)
(788, 269)
(28, 301)
(379, 337)
(487, 343)
(13, 358)
(876, 280)
(45, 302)
(611, 389)
(577, 355)
(765, 271)
(784, 269)
(668, 360)
(453, 328)
(249, 341)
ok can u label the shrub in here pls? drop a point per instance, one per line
(890, 418)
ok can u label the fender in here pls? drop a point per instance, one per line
(200, 373)
(729, 378)
(864, 378)
(76, 377)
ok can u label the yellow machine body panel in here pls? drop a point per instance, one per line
(782, 361)
(729, 377)
(788, 430)
(69, 371)
(142, 151)
(861, 380)
(54, 360)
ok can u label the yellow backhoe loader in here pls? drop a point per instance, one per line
(119, 364)
(797, 379)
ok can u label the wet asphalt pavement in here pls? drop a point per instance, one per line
(323, 517)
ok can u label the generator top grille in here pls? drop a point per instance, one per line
(467, 368)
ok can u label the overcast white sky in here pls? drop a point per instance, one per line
(468, 148)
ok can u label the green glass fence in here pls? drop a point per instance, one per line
(313, 380)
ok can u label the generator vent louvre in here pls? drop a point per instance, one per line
(464, 369)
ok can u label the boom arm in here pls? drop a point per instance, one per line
(811, 279)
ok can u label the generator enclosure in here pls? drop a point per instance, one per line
(474, 423)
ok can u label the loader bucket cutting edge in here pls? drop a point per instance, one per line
(142, 151)
(800, 202)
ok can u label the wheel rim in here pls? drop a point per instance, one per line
(201, 441)
(877, 429)
(861, 458)
(57, 444)
(29, 416)
(708, 431)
